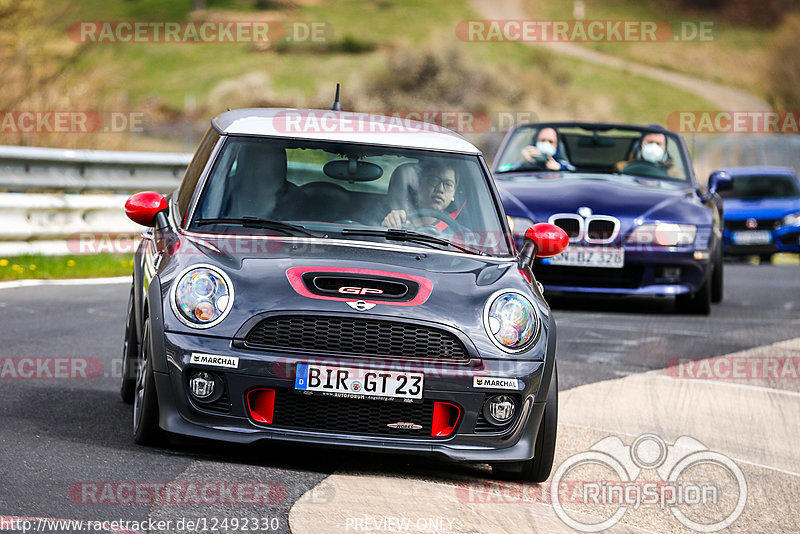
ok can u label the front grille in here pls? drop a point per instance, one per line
(350, 416)
(601, 230)
(482, 425)
(571, 226)
(222, 405)
(628, 277)
(360, 337)
(762, 224)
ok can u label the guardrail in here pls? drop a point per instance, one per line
(25, 169)
(49, 196)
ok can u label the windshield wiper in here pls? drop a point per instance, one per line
(256, 222)
(397, 234)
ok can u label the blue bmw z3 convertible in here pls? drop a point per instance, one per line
(638, 220)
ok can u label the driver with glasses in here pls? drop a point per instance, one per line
(437, 193)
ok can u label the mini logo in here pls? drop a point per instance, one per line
(751, 224)
(585, 211)
(356, 386)
(404, 426)
(360, 305)
(360, 290)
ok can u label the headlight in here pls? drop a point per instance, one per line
(519, 225)
(202, 296)
(665, 234)
(793, 219)
(511, 321)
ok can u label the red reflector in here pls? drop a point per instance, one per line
(445, 419)
(261, 404)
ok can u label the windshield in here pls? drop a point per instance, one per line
(544, 148)
(349, 191)
(761, 186)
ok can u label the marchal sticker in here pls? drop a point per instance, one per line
(231, 362)
(495, 383)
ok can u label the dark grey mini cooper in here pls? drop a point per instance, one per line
(344, 280)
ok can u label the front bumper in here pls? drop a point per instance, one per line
(181, 414)
(644, 273)
(784, 239)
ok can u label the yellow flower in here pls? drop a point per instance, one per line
(16, 267)
(3, 262)
(32, 267)
(70, 263)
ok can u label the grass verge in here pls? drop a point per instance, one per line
(71, 266)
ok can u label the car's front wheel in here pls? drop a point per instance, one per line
(145, 402)
(697, 303)
(538, 468)
(130, 354)
(717, 279)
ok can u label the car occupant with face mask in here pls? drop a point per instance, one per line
(653, 149)
(546, 153)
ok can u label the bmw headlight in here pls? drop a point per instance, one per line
(202, 296)
(665, 234)
(793, 219)
(511, 321)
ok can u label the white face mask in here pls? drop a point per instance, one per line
(546, 149)
(653, 153)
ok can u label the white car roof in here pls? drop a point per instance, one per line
(350, 127)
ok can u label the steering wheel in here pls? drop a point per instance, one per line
(452, 224)
(643, 168)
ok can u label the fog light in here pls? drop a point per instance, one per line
(670, 272)
(202, 385)
(500, 409)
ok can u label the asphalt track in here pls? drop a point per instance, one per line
(66, 450)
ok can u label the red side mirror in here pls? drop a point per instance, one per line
(142, 207)
(550, 239)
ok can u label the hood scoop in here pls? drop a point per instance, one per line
(375, 288)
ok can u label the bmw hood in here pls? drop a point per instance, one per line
(624, 197)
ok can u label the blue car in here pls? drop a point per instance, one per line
(762, 212)
(638, 220)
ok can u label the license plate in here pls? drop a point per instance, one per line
(589, 257)
(755, 237)
(349, 382)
